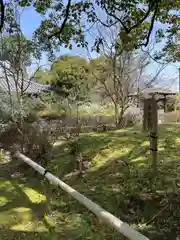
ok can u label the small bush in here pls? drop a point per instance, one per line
(38, 144)
(101, 128)
(131, 118)
(10, 137)
(32, 140)
(51, 114)
(31, 117)
(74, 148)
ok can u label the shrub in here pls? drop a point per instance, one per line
(53, 113)
(49, 113)
(132, 117)
(38, 144)
(10, 137)
(31, 117)
(74, 147)
(34, 141)
(21, 130)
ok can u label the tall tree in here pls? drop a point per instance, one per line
(16, 54)
(69, 71)
(71, 79)
(120, 71)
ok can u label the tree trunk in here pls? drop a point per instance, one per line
(69, 107)
(120, 117)
(77, 114)
(21, 124)
(116, 114)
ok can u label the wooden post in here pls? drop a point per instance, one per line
(150, 123)
(153, 134)
(165, 104)
(149, 114)
(145, 115)
(147, 118)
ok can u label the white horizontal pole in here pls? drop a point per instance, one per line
(107, 217)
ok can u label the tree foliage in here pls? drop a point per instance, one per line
(71, 81)
(65, 24)
(70, 72)
(44, 76)
(70, 77)
(31, 106)
(16, 55)
(10, 49)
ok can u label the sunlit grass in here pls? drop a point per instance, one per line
(6, 185)
(139, 159)
(120, 180)
(177, 140)
(15, 215)
(33, 195)
(30, 226)
(3, 201)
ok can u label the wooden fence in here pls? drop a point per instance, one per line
(105, 216)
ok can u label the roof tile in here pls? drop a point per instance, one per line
(29, 86)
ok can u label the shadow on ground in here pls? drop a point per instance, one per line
(30, 208)
(120, 180)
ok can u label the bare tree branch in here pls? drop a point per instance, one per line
(151, 26)
(2, 7)
(117, 19)
(152, 6)
(124, 70)
(63, 23)
(33, 76)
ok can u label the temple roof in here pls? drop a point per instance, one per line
(150, 91)
(31, 87)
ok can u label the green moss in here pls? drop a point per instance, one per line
(33, 195)
(119, 180)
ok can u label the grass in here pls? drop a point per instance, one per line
(120, 180)
(107, 111)
(50, 113)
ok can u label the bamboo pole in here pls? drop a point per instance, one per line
(107, 217)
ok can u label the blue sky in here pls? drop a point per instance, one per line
(30, 20)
